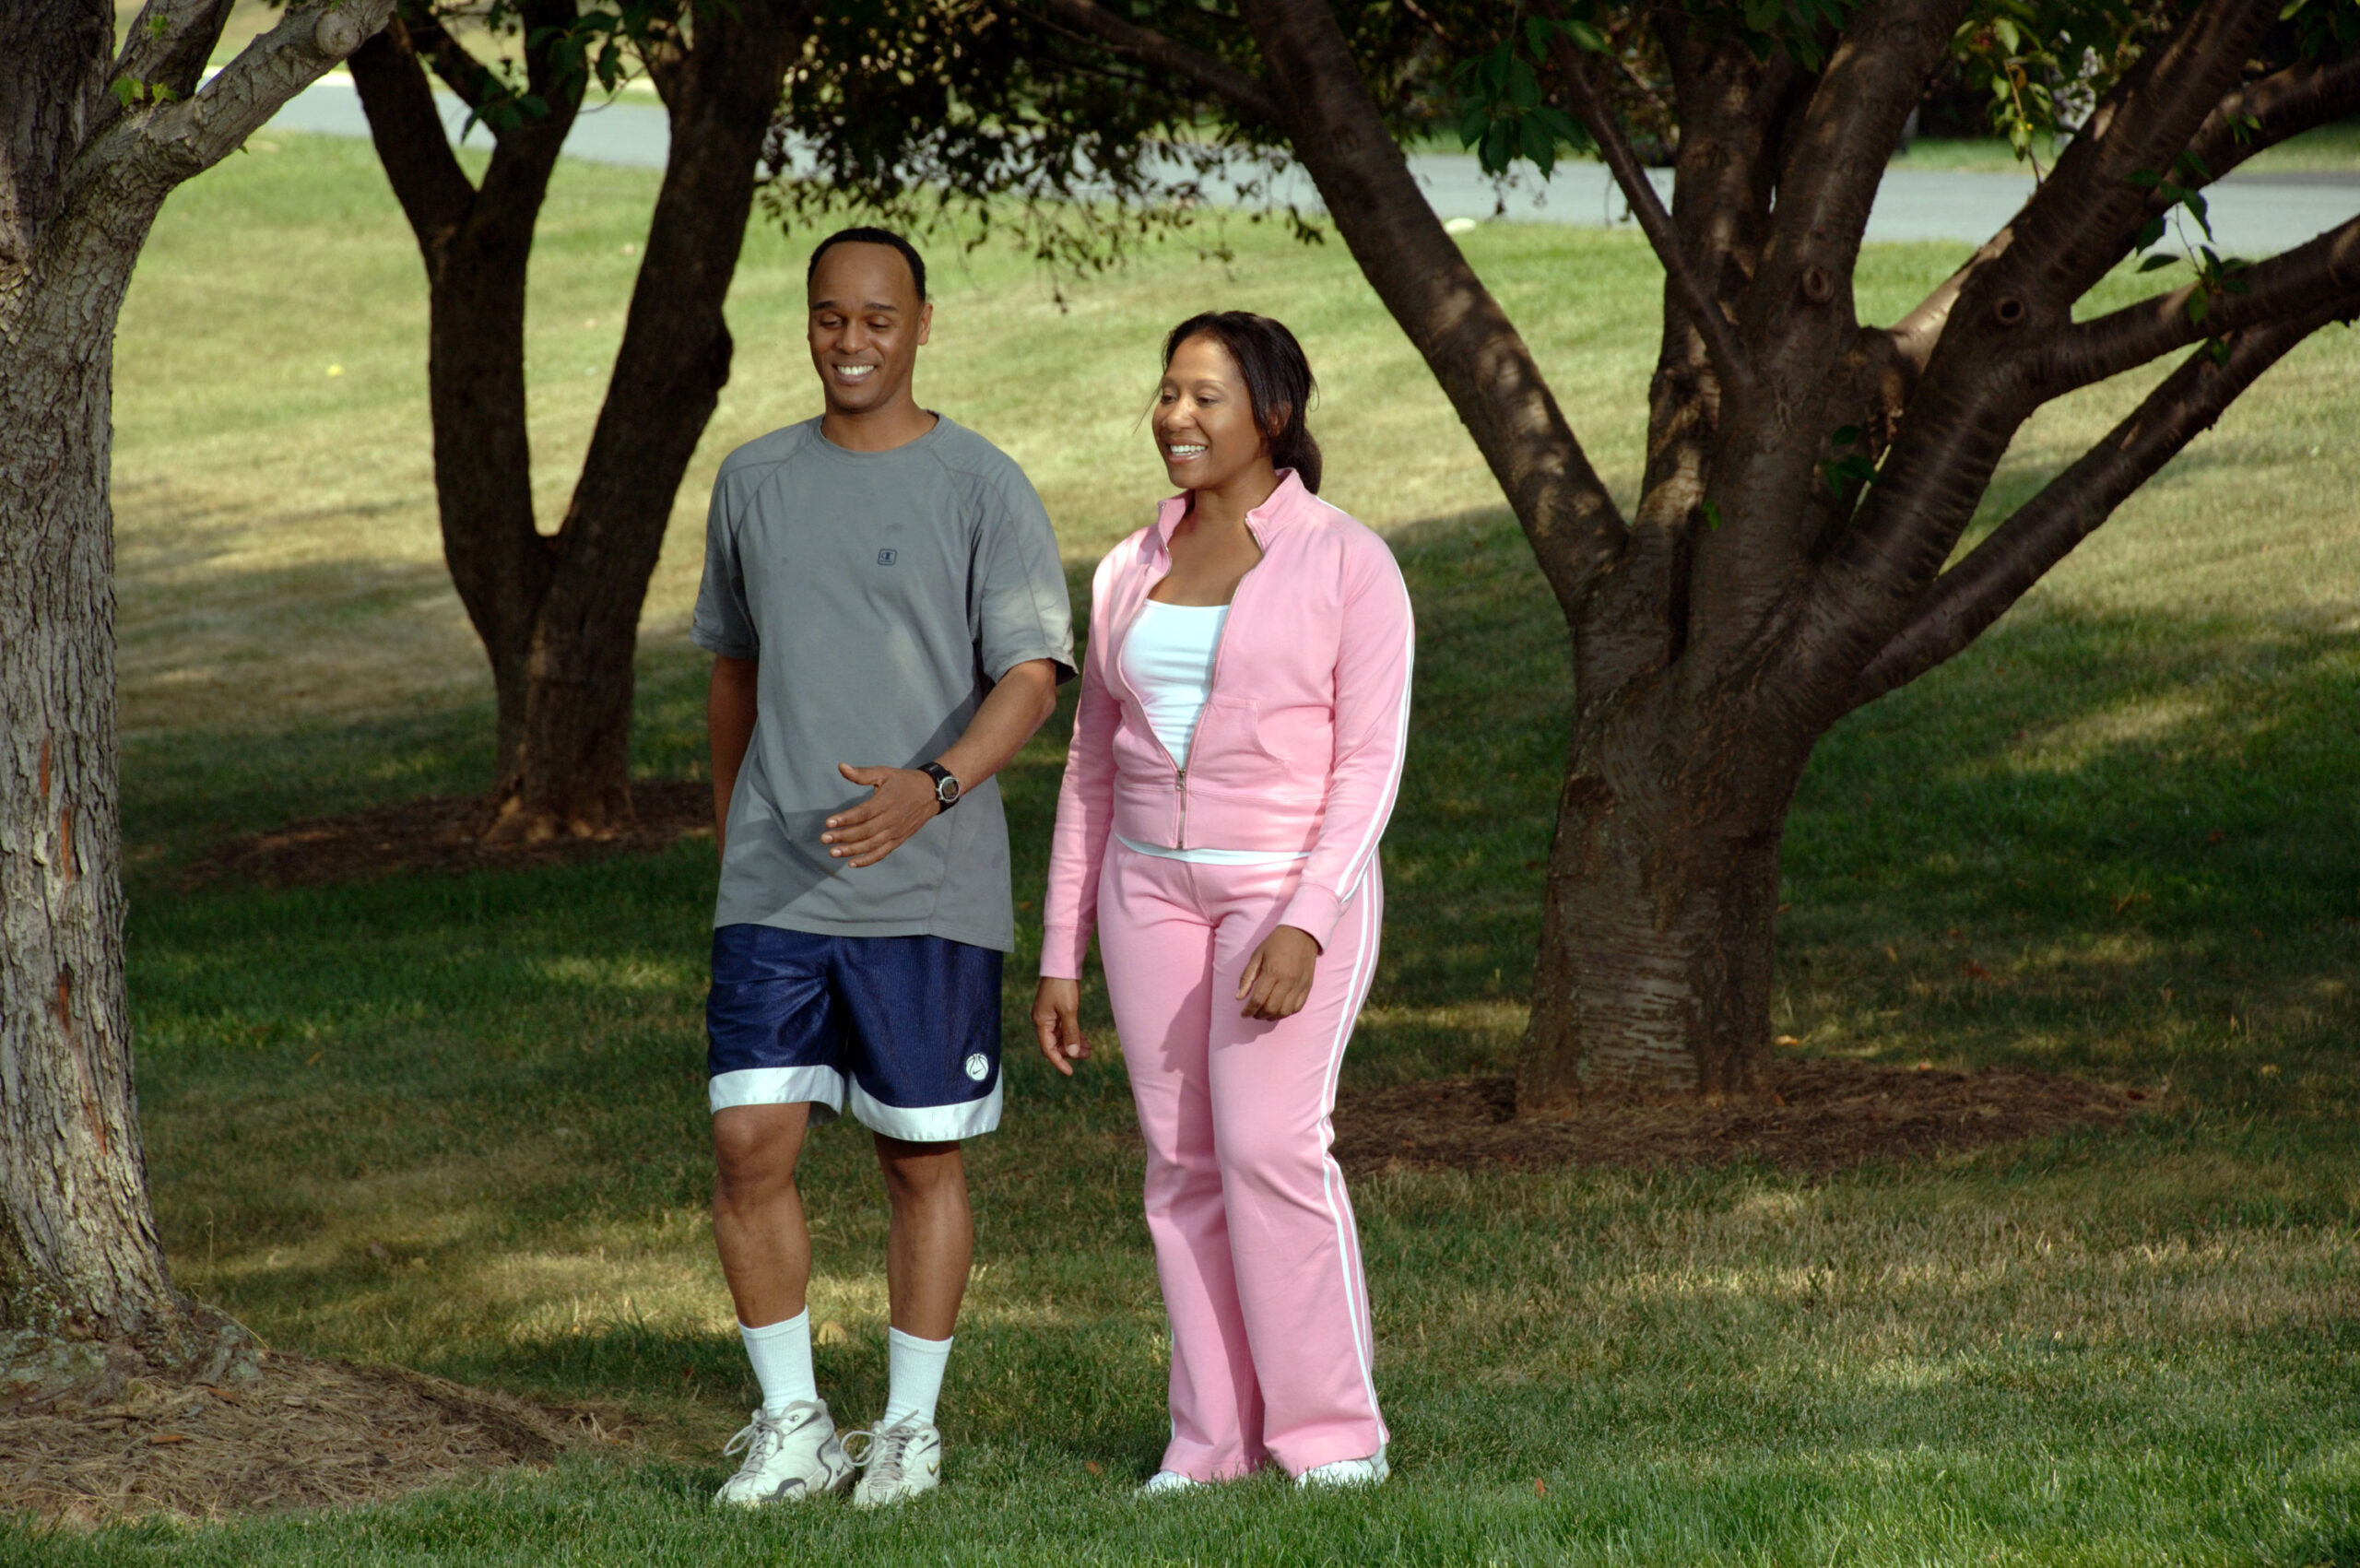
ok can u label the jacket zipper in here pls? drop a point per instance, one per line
(1213, 677)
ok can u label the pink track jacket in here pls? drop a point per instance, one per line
(1300, 745)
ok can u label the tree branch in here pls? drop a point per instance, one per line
(1987, 375)
(2303, 96)
(1483, 366)
(2300, 98)
(2082, 220)
(2326, 267)
(1597, 117)
(181, 139)
(169, 42)
(470, 80)
(1872, 81)
(434, 192)
(1965, 600)
(1242, 93)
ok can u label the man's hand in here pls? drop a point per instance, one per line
(1277, 980)
(1057, 1018)
(904, 802)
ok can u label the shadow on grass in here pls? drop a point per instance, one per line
(2097, 844)
(2111, 844)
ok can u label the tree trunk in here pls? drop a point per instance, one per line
(1656, 942)
(77, 1241)
(558, 613)
(83, 1281)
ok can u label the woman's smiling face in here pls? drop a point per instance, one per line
(1204, 418)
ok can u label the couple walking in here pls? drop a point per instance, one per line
(889, 622)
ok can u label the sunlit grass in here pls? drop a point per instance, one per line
(458, 1123)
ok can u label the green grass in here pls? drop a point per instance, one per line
(458, 1123)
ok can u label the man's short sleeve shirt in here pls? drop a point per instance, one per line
(882, 594)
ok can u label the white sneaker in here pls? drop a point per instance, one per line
(1370, 1471)
(897, 1463)
(789, 1457)
(1163, 1482)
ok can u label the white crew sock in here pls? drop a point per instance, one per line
(781, 1356)
(912, 1378)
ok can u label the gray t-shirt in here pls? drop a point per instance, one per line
(883, 593)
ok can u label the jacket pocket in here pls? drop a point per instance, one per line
(1229, 754)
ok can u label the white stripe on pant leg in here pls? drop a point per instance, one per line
(1364, 976)
(1357, 991)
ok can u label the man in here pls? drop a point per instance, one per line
(889, 623)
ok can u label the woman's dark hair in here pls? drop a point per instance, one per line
(1277, 381)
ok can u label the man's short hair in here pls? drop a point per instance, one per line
(865, 235)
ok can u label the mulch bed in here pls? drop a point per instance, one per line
(304, 1433)
(1821, 1116)
(440, 833)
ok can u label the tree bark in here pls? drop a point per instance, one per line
(559, 612)
(85, 176)
(1655, 965)
(77, 1244)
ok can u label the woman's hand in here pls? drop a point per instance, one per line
(1057, 1018)
(1277, 980)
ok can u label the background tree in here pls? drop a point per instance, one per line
(559, 612)
(1809, 476)
(94, 138)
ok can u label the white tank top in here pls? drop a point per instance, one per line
(1167, 659)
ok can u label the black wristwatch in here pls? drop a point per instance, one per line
(946, 788)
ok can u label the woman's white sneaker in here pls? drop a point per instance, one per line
(1370, 1471)
(789, 1457)
(896, 1464)
(1164, 1481)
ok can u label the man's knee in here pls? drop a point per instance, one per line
(754, 1150)
(921, 1173)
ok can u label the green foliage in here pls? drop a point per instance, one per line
(601, 40)
(133, 93)
(939, 114)
(1849, 469)
(1504, 118)
(2215, 274)
(2324, 28)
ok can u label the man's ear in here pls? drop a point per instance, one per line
(925, 321)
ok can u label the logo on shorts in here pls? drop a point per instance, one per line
(979, 1067)
(885, 558)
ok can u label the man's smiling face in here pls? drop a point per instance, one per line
(866, 327)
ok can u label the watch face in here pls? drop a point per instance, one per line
(945, 789)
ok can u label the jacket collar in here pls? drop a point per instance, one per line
(1284, 505)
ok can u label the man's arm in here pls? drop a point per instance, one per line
(729, 729)
(904, 800)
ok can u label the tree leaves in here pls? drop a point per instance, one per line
(1503, 117)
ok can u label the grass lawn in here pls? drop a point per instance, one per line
(458, 1123)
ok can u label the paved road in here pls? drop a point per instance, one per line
(2252, 215)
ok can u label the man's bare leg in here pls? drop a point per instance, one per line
(791, 1448)
(757, 1211)
(926, 1255)
(931, 1243)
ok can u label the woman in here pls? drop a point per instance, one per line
(1244, 702)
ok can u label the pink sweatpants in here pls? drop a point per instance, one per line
(1254, 1242)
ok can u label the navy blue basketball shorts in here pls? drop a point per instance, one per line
(904, 1029)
